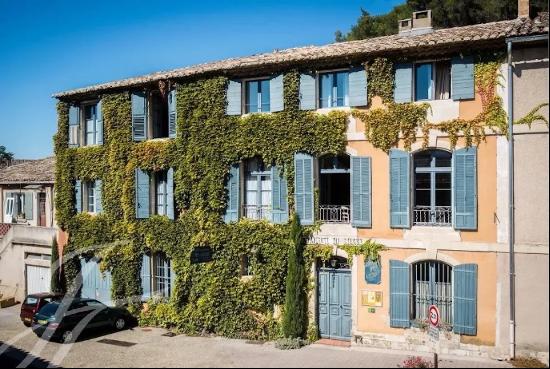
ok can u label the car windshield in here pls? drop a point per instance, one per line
(50, 309)
(31, 301)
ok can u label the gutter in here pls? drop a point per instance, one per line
(511, 179)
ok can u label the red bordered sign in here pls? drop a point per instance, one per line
(433, 315)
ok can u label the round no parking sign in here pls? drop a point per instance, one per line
(433, 315)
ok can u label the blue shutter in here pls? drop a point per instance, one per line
(233, 192)
(99, 123)
(78, 196)
(142, 194)
(234, 95)
(462, 78)
(139, 116)
(399, 189)
(303, 187)
(361, 191)
(279, 194)
(173, 277)
(172, 114)
(307, 92)
(146, 278)
(465, 188)
(276, 93)
(403, 83)
(74, 126)
(170, 193)
(465, 299)
(399, 294)
(358, 87)
(98, 196)
(28, 208)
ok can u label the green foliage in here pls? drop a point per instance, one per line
(290, 343)
(380, 79)
(369, 249)
(209, 297)
(295, 314)
(5, 156)
(56, 284)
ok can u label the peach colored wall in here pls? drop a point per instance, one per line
(379, 321)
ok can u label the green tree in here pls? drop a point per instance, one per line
(445, 14)
(5, 156)
(295, 316)
(56, 284)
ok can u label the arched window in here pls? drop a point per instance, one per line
(334, 189)
(432, 285)
(433, 188)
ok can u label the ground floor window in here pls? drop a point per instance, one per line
(258, 187)
(432, 285)
(157, 276)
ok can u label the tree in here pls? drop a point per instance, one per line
(445, 14)
(5, 156)
(56, 284)
(295, 313)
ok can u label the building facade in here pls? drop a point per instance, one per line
(399, 140)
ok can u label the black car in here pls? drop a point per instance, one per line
(66, 320)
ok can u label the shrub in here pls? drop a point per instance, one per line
(416, 362)
(290, 343)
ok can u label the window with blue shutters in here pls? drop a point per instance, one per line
(172, 114)
(422, 81)
(88, 196)
(139, 115)
(432, 284)
(399, 294)
(334, 189)
(258, 190)
(93, 124)
(146, 278)
(399, 189)
(307, 92)
(163, 283)
(276, 94)
(333, 89)
(358, 87)
(257, 96)
(303, 188)
(234, 97)
(232, 189)
(142, 200)
(463, 80)
(465, 299)
(465, 188)
(361, 191)
(279, 202)
(74, 126)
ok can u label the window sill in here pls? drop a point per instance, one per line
(432, 233)
(336, 108)
(244, 115)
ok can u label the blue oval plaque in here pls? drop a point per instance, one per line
(373, 272)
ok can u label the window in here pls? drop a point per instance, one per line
(246, 267)
(159, 115)
(432, 285)
(90, 125)
(333, 89)
(432, 188)
(432, 81)
(21, 206)
(334, 189)
(257, 96)
(162, 276)
(161, 195)
(91, 197)
(257, 201)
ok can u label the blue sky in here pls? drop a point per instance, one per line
(54, 45)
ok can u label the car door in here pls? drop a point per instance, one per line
(76, 318)
(101, 316)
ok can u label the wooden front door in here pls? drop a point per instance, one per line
(334, 300)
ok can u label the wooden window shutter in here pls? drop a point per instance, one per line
(465, 188)
(99, 123)
(307, 92)
(279, 195)
(403, 83)
(358, 87)
(172, 114)
(462, 78)
(399, 189)
(170, 193)
(233, 192)
(78, 196)
(361, 191)
(74, 126)
(142, 194)
(399, 294)
(303, 188)
(234, 98)
(276, 93)
(465, 299)
(139, 115)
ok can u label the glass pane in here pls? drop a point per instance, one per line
(325, 90)
(90, 128)
(443, 181)
(423, 181)
(423, 81)
(443, 198)
(266, 191)
(252, 88)
(264, 89)
(342, 79)
(423, 197)
(91, 197)
(89, 112)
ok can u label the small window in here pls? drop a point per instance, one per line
(257, 96)
(432, 81)
(159, 115)
(257, 200)
(91, 196)
(246, 267)
(162, 283)
(333, 89)
(161, 195)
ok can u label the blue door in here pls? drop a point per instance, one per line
(95, 285)
(334, 301)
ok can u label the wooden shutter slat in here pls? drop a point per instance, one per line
(403, 83)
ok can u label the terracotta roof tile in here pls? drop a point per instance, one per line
(32, 171)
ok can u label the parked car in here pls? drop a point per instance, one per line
(66, 320)
(33, 303)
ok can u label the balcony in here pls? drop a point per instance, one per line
(256, 212)
(335, 214)
(438, 216)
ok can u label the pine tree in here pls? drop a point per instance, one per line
(56, 285)
(295, 316)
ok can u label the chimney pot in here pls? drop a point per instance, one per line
(523, 8)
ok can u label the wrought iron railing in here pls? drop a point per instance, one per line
(335, 214)
(257, 212)
(433, 216)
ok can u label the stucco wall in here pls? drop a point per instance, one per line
(530, 80)
(379, 321)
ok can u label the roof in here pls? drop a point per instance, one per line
(475, 36)
(29, 172)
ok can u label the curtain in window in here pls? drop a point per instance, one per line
(443, 81)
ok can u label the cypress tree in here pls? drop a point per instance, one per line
(56, 285)
(295, 313)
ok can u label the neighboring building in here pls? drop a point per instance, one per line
(27, 227)
(441, 211)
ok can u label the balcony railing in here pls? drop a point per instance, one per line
(437, 216)
(257, 212)
(340, 214)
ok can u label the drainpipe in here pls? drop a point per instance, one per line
(511, 223)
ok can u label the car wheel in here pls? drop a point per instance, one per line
(28, 325)
(120, 324)
(67, 337)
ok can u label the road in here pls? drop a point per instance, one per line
(141, 347)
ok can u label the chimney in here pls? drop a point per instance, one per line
(419, 24)
(523, 8)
